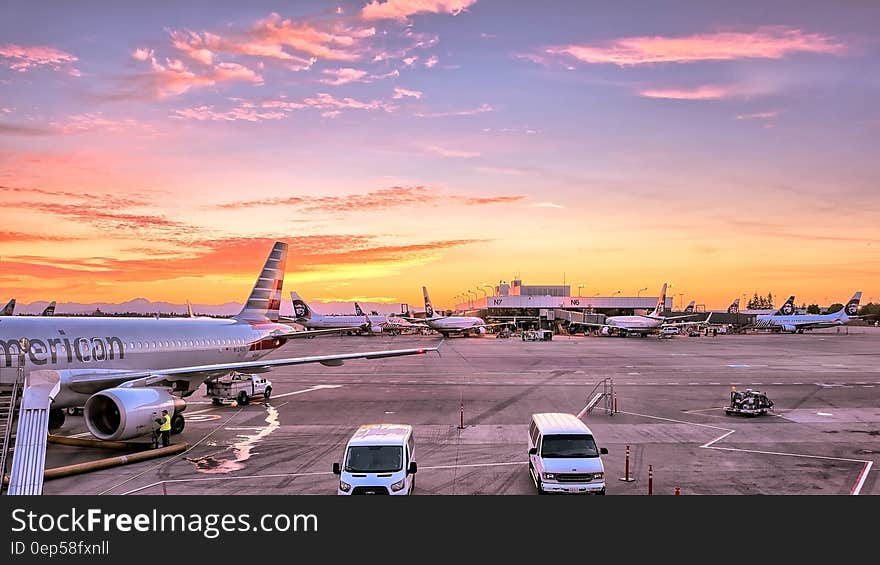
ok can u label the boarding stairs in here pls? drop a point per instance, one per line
(31, 436)
(605, 396)
(11, 381)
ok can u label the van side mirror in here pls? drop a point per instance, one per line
(336, 469)
(412, 468)
(533, 451)
(603, 450)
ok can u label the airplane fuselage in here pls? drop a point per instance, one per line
(799, 322)
(131, 344)
(455, 323)
(633, 323)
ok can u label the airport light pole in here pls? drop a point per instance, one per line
(483, 291)
(475, 296)
(681, 300)
(492, 288)
(616, 293)
(639, 293)
(580, 286)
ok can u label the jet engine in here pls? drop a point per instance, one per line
(376, 328)
(125, 413)
(789, 328)
(606, 330)
(481, 330)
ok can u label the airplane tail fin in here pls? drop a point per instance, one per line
(50, 309)
(690, 307)
(787, 309)
(429, 310)
(264, 301)
(734, 307)
(357, 310)
(301, 310)
(9, 309)
(852, 307)
(660, 309)
(189, 310)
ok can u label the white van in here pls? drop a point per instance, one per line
(563, 456)
(378, 459)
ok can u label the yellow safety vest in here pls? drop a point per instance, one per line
(166, 424)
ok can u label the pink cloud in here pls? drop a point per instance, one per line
(21, 59)
(758, 116)
(90, 122)
(432, 60)
(324, 101)
(207, 113)
(483, 108)
(771, 42)
(175, 78)
(401, 92)
(707, 92)
(343, 76)
(191, 44)
(142, 54)
(401, 9)
(454, 153)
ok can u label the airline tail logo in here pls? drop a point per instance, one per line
(661, 302)
(787, 309)
(852, 307)
(690, 307)
(733, 308)
(50, 309)
(9, 309)
(265, 299)
(357, 310)
(300, 308)
(429, 310)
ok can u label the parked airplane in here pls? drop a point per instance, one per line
(454, 325)
(640, 325)
(49, 310)
(306, 316)
(786, 321)
(9, 309)
(689, 309)
(126, 370)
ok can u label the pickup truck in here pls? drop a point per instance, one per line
(239, 387)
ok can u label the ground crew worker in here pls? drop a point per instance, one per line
(165, 428)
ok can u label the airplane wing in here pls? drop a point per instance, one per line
(92, 382)
(313, 333)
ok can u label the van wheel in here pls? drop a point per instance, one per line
(242, 398)
(267, 393)
(540, 487)
(216, 402)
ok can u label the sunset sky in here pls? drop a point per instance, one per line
(157, 149)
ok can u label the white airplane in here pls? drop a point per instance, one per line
(787, 309)
(641, 325)
(454, 325)
(390, 323)
(306, 316)
(49, 310)
(786, 321)
(9, 309)
(689, 309)
(126, 370)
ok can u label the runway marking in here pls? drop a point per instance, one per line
(824, 414)
(856, 489)
(237, 477)
(502, 464)
(316, 387)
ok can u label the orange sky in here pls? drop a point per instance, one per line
(445, 144)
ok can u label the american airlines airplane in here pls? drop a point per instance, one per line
(786, 321)
(454, 325)
(306, 316)
(640, 325)
(125, 370)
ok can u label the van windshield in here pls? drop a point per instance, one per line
(374, 459)
(569, 446)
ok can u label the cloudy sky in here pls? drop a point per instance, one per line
(157, 149)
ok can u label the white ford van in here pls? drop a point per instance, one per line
(563, 456)
(379, 459)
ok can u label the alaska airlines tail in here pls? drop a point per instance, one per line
(9, 309)
(429, 310)
(852, 307)
(787, 309)
(690, 307)
(660, 309)
(734, 307)
(50, 309)
(265, 299)
(301, 310)
(357, 310)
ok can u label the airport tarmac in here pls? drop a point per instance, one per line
(823, 436)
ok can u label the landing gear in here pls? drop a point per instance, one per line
(177, 424)
(56, 418)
